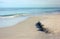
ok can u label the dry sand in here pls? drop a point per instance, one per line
(28, 30)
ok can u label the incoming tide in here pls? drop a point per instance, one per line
(7, 15)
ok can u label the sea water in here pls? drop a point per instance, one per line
(8, 11)
(7, 22)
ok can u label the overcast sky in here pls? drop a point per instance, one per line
(29, 3)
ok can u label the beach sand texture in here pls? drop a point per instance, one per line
(28, 30)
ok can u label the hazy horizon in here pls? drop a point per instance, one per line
(29, 3)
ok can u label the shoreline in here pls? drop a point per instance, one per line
(27, 29)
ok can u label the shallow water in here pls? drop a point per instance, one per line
(7, 22)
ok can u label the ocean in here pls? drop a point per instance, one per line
(7, 22)
(8, 11)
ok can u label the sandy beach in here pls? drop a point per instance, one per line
(28, 30)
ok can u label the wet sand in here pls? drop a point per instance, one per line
(28, 30)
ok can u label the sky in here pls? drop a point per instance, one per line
(29, 3)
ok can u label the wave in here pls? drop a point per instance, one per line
(7, 11)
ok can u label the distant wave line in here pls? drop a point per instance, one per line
(14, 15)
